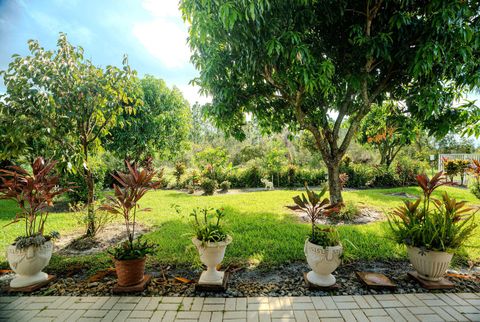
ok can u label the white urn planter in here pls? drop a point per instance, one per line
(430, 265)
(211, 254)
(28, 264)
(323, 261)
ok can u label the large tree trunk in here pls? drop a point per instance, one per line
(334, 185)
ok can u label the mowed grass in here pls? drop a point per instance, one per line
(265, 233)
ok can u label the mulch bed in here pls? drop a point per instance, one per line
(285, 280)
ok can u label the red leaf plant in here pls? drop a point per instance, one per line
(34, 193)
(129, 189)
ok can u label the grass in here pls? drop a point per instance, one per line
(265, 232)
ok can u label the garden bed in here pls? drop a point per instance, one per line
(284, 280)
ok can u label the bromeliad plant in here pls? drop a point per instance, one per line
(207, 225)
(431, 224)
(34, 194)
(129, 189)
(315, 206)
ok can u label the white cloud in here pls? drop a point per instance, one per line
(192, 95)
(165, 41)
(165, 36)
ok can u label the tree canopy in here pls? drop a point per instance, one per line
(161, 125)
(67, 101)
(320, 65)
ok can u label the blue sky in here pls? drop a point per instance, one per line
(152, 34)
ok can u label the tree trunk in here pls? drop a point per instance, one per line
(334, 186)
(90, 196)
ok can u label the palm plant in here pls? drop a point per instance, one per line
(315, 206)
(34, 194)
(129, 190)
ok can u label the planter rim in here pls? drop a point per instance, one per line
(25, 248)
(130, 260)
(339, 246)
(429, 251)
(200, 243)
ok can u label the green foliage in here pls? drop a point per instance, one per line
(132, 249)
(384, 177)
(388, 129)
(316, 208)
(68, 102)
(225, 186)
(432, 224)
(207, 225)
(451, 168)
(291, 63)
(209, 186)
(407, 170)
(325, 237)
(161, 125)
(213, 161)
(347, 212)
(475, 172)
(179, 171)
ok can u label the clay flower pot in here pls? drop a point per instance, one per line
(28, 263)
(430, 265)
(211, 254)
(323, 261)
(130, 271)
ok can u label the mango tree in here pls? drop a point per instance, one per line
(320, 65)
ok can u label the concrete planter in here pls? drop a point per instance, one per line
(430, 265)
(28, 263)
(211, 254)
(323, 261)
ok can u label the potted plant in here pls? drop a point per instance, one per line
(322, 247)
(34, 193)
(432, 229)
(130, 255)
(211, 240)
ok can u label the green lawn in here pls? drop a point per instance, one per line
(264, 231)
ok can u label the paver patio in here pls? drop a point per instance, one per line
(390, 307)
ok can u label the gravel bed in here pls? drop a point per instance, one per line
(285, 280)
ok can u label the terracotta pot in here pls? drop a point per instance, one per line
(28, 263)
(430, 265)
(211, 254)
(323, 261)
(130, 271)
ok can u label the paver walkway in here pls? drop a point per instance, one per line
(404, 307)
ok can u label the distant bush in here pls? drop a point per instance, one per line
(225, 186)
(80, 193)
(209, 186)
(384, 177)
(407, 170)
(359, 175)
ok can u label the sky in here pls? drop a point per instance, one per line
(152, 34)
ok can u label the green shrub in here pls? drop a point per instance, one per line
(407, 170)
(209, 186)
(225, 186)
(384, 177)
(359, 175)
(348, 212)
(80, 193)
(179, 172)
(250, 177)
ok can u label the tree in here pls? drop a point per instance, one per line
(71, 102)
(388, 129)
(320, 65)
(452, 143)
(161, 125)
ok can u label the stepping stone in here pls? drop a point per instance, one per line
(432, 285)
(34, 287)
(213, 287)
(140, 287)
(375, 280)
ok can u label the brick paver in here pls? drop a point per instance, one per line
(388, 307)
